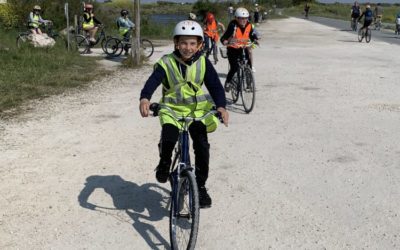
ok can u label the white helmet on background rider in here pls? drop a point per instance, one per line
(241, 12)
(188, 28)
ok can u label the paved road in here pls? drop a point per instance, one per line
(383, 35)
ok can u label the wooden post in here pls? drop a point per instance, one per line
(136, 38)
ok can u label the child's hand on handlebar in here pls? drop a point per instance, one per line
(224, 115)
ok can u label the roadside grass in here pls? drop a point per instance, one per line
(340, 11)
(33, 73)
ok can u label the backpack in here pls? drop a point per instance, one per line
(356, 10)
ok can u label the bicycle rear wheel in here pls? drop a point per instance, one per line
(22, 41)
(114, 47)
(81, 44)
(368, 36)
(147, 47)
(215, 52)
(185, 213)
(248, 90)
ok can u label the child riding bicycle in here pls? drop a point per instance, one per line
(211, 30)
(125, 27)
(182, 74)
(368, 17)
(35, 20)
(239, 32)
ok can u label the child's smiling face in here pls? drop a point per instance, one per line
(188, 46)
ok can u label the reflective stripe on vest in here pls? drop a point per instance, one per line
(241, 39)
(89, 24)
(184, 94)
(123, 30)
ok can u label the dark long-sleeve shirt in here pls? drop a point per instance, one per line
(87, 17)
(211, 81)
(231, 28)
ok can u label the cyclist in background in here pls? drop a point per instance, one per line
(256, 13)
(397, 21)
(368, 17)
(378, 13)
(239, 32)
(35, 20)
(306, 9)
(192, 16)
(211, 30)
(355, 10)
(125, 27)
(182, 74)
(90, 22)
(231, 12)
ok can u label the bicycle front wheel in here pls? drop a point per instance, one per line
(147, 47)
(360, 35)
(235, 87)
(248, 90)
(368, 36)
(185, 213)
(114, 47)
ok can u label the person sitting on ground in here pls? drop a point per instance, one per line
(368, 17)
(35, 20)
(90, 22)
(125, 27)
(238, 34)
(182, 75)
(211, 30)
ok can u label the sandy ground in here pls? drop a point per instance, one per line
(316, 165)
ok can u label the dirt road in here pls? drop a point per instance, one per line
(316, 165)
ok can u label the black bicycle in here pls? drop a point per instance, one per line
(212, 50)
(115, 46)
(364, 32)
(185, 207)
(23, 37)
(243, 83)
(83, 44)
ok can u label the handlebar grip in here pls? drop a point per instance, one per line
(155, 107)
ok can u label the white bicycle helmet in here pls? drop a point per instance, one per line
(188, 28)
(192, 16)
(241, 12)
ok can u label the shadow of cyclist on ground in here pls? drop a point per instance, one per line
(134, 200)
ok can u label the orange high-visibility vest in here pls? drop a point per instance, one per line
(241, 38)
(211, 30)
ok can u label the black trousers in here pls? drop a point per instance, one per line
(233, 56)
(198, 133)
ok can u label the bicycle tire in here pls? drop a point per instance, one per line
(368, 36)
(147, 47)
(360, 35)
(22, 41)
(235, 87)
(81, 44)
(103, 43)
(215, 53)
(182, 220)
(248, 90)
(114, 47)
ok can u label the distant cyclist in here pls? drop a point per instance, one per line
(192, 16)
(239, 32)
(125, 27)
(90, 22)
(35, 20)
(306, 9)
(368, 17)
(378, 13)
(355, 10)
(397, 21)
(211, 30)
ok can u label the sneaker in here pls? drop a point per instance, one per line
(227, 87)
(204, 198)
(253, 69)
(162, 172)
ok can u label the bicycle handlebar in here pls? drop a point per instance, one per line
(156, 107)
